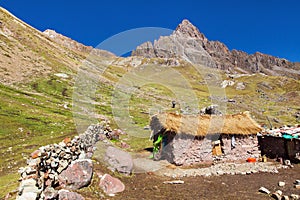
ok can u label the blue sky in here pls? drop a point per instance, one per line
(267, 26)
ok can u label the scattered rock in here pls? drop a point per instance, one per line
(281, 183)
(174, 182)
(124, 145)
(77, 175)
(287, 162)
(67, 195)
(111, 185)
(285, 197)
(264, 190)
(276, 196)
(240, 86)
(279, 192)
(50, 193)
(295, 196)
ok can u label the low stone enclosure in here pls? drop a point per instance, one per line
(194, 139)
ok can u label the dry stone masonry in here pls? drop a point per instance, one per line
(64, 165)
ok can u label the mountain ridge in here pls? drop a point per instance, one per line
(188, 43)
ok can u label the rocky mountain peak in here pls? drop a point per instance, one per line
(186, 28)
(188, 43)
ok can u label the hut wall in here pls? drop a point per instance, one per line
(275, 147)
(187, 150)
(245, 147)
(293, 149)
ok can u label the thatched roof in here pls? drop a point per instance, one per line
(202, 125)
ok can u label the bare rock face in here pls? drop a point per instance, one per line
(77, 175)
(189, 44)
(185, 42)
(111, 185)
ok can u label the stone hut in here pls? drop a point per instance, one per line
(191, 139)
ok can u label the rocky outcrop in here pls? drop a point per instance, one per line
(189, 44)
(74, 45)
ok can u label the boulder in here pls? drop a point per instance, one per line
(111, 185)
(77, 175)
(118, 160)
(67, 195)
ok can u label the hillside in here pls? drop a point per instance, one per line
(43, 100)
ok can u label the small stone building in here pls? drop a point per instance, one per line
(190, 139)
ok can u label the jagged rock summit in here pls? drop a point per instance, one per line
(189, 44)
(186, 28)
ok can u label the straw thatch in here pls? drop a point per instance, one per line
(202, 125)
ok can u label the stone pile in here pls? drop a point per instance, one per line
(278, 194)
(64, 165)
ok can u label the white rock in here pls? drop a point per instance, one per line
(285, 197)
(281, 183)
(174, 182)
(279, 192)
(27, 196)
(295, 196)
(264, 190)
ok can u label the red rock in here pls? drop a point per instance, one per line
(124, 145)
(67, 140)
(111, 185)
(67, 195)
(77, 175)
(35, 154)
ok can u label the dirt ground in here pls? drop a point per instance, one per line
(150, 186)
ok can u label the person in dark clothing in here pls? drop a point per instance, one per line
(173, 104)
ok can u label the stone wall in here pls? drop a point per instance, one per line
(279, 147)
(47, 164)
(188, 150)
(245, 147)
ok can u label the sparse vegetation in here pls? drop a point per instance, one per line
(36, 105)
